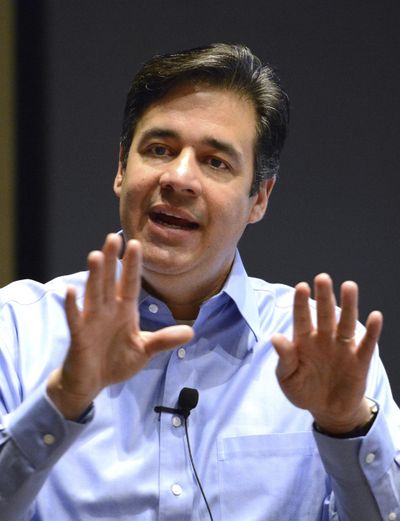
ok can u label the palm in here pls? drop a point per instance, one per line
(322, 369)
(107, 345)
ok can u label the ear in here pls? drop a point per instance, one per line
(260, 200)
(119, 176)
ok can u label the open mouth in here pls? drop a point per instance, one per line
(171, 221)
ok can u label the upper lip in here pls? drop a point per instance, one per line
(174, 212)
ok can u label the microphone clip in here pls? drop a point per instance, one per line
(181, 412)
(188, 399)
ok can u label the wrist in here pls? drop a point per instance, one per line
(356, 428)
(70, 405)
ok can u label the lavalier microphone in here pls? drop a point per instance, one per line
(188, 400)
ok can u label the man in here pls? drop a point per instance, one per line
(200, 147)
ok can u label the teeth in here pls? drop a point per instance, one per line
(172, 221)
(174, 226)
(171, 215)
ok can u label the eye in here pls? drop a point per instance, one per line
(159, 150)
(217, 164)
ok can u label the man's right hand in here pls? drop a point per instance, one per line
(107, 345)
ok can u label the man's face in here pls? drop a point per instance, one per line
(185, 191)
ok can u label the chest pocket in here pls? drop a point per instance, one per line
(271, 477)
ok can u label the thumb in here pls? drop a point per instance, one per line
(166, 338)
(288, 359)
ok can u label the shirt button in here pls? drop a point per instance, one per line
(392, 516)
(370, 457)
(176, 489)
(176, 421)
(49, 439)
(153, 308)
(181, 353)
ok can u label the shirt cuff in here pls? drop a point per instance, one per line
(41, 432)
(355, 459)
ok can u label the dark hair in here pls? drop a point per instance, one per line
(227, 66)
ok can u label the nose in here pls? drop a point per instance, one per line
(182, 175)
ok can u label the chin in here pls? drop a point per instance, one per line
(167, 262)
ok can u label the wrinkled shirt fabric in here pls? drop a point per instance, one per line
(257, 455)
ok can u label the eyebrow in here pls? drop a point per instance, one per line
(156, 132)
(217, 144)
(223, 146)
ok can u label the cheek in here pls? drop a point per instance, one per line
(231, 217)
(237, 208)
(134, 189)
(130, 205)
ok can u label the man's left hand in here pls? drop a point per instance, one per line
(323, 369)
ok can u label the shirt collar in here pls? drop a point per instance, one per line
(238, 287)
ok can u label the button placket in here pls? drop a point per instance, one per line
(176, 492)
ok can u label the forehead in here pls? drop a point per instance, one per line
(202, 109)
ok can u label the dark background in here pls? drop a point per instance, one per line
(336, 205)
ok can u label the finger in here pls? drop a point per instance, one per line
(373, 330)
(326, 319)
(167, 338)
(129, 285)
(111, 248)
(72, 312)
(288, 357)
(302, 323)
(349, 311)
(94, 285)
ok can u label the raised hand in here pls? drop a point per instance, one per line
(323, 369)
(107, 345)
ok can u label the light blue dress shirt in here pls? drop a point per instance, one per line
(257, 455)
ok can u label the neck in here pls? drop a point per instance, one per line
(182, 295)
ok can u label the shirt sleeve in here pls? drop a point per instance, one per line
(364, 473)
(32, 439)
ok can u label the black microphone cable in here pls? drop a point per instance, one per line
(195, 471)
